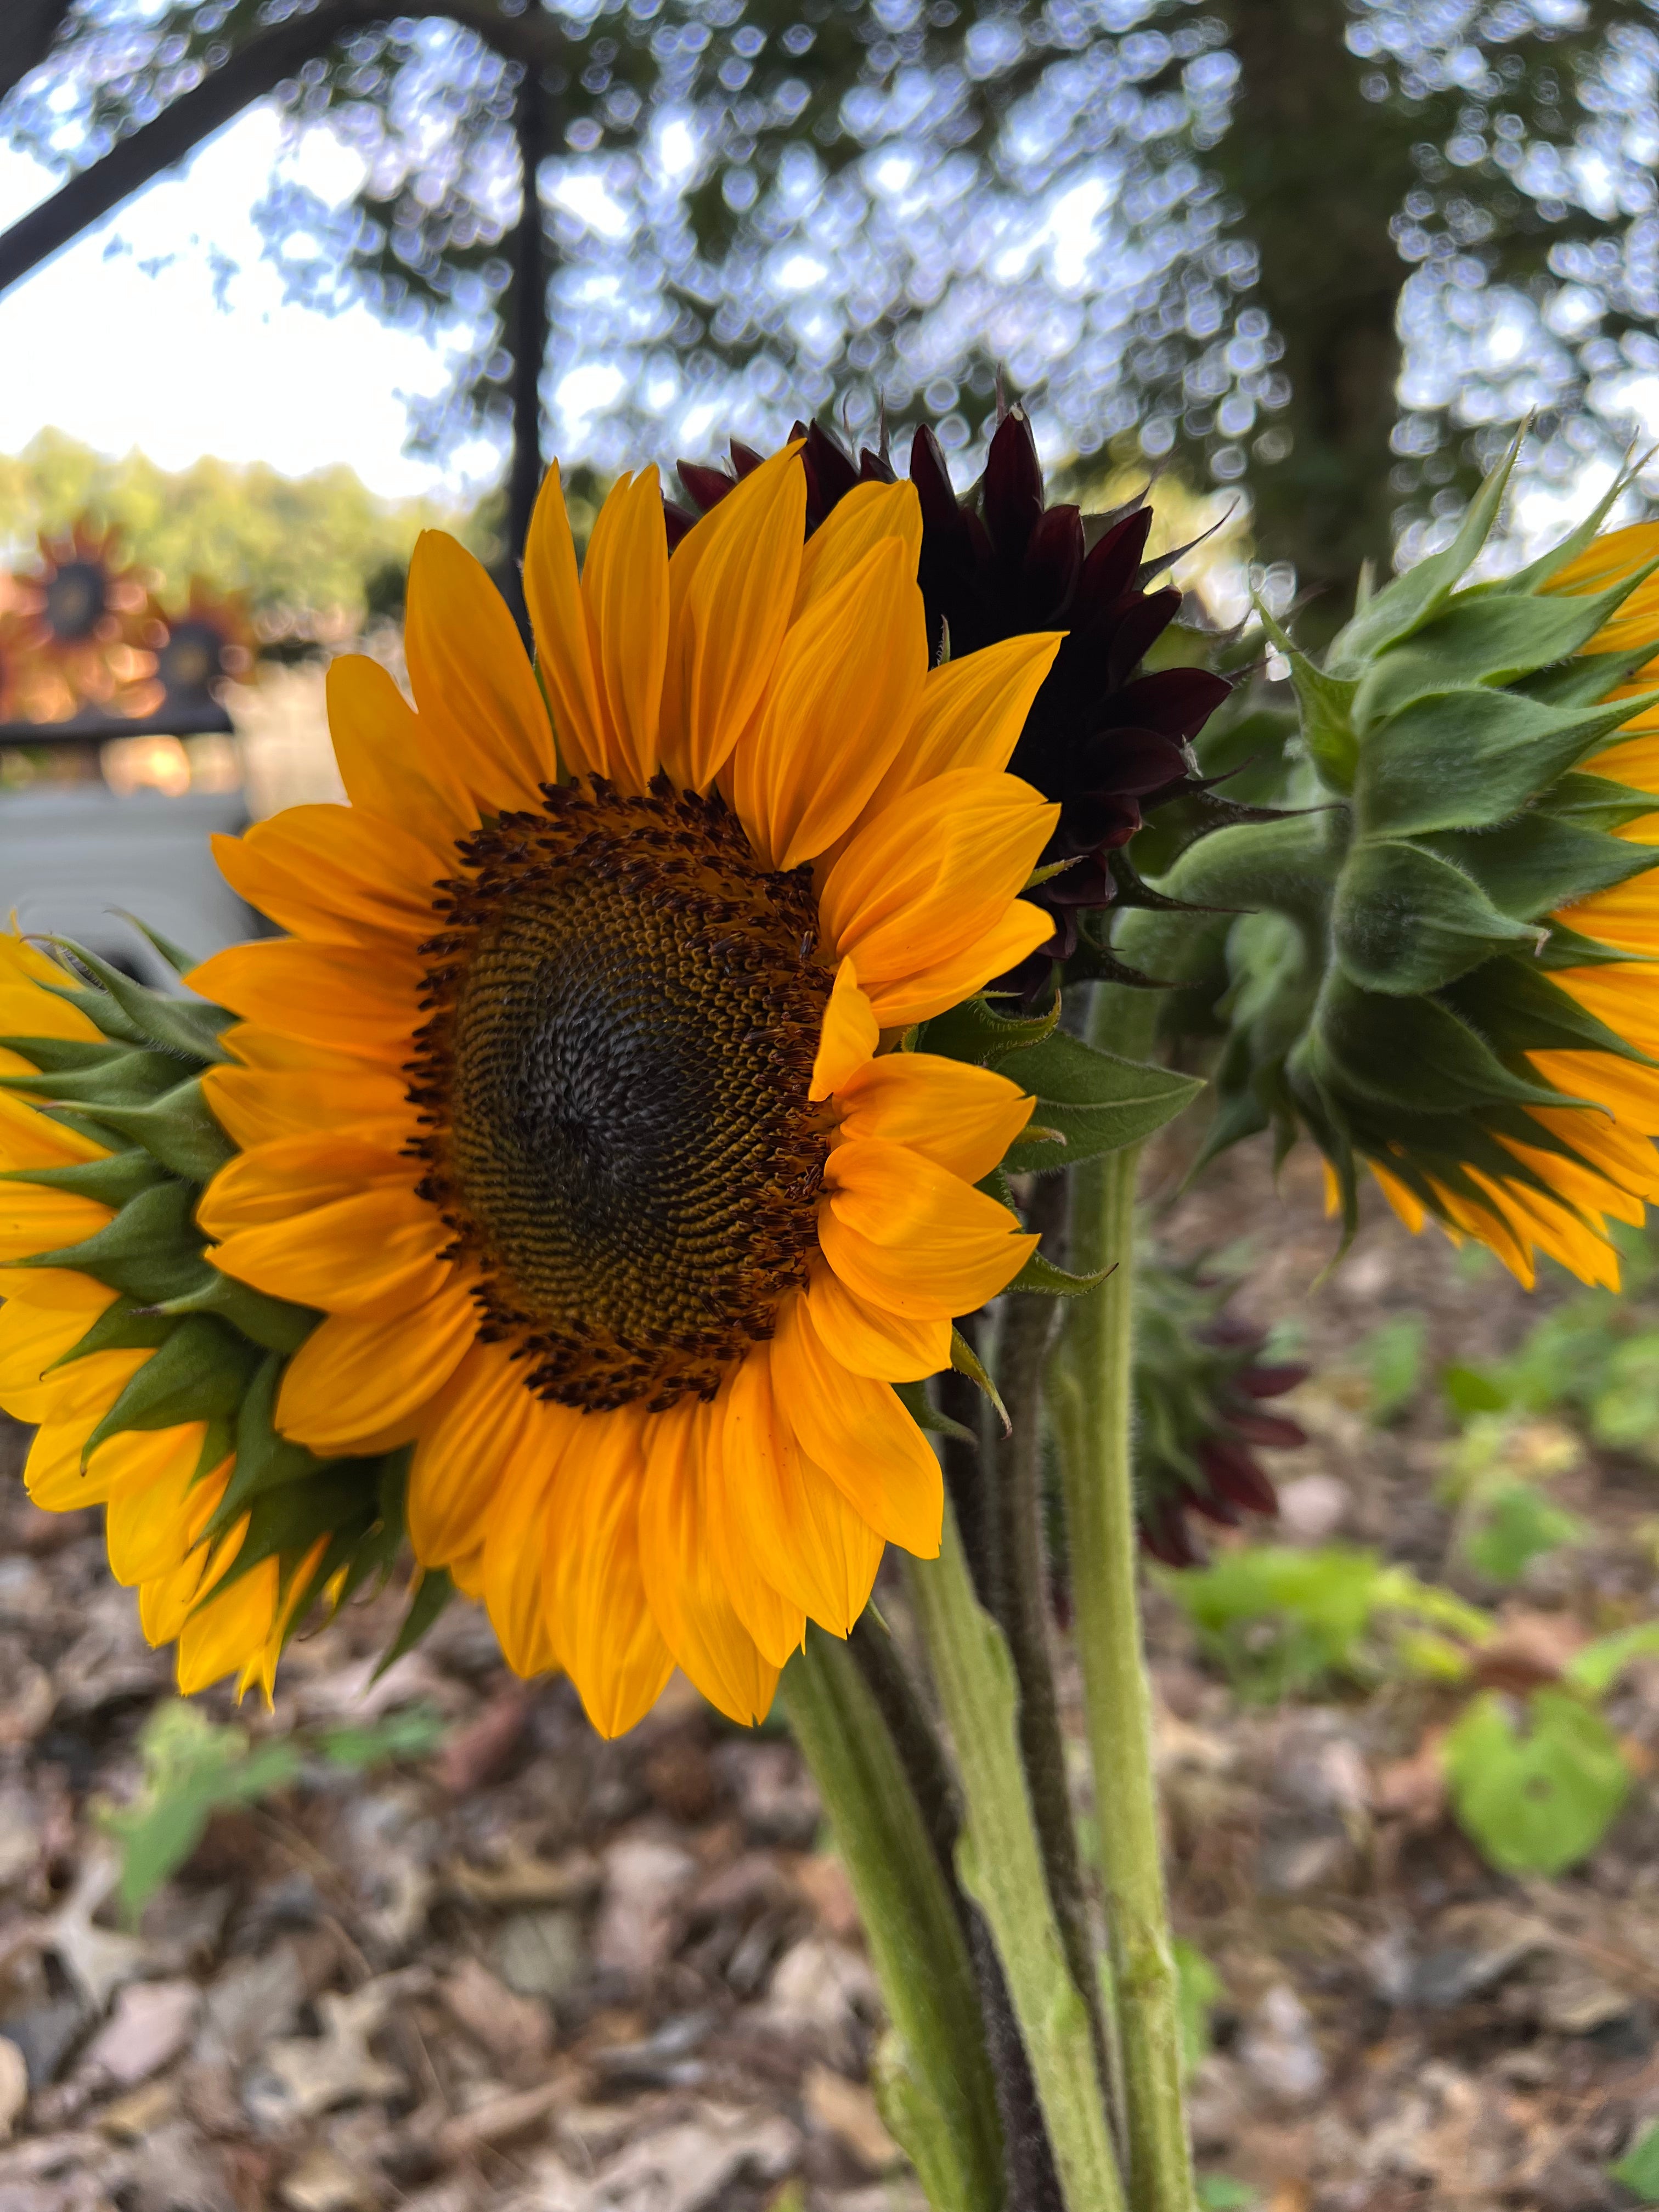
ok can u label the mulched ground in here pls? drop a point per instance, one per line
(533, 1971)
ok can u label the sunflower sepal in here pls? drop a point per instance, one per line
(111, 1181)
(966, 1361)
(199, 1371)
(1327, 707)
(432, 1592)
(120, 1078)
(151, 1251)
(265, 1460)
(124, 1326)
(1405, 921)
(179, 1129)
(917, 1402)
(976, 1031)
(1048, 1281)
(273, 1324)
(177, 1025)
(341, 1502)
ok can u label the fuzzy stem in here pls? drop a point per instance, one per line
(933, 2076)
(1000, 1867)
(1091, 1402)
(1020, 1602)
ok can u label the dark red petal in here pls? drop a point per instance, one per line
(830, 472)
(1141, 623)
(1177, 701)
(1053, 562)
(745, 459)
(876, 468)
(1132, 761)
(1012, 498)
(1164, 1533)
(1115, 559)
(1269, 1382)
(931, 478)
(706, 487)
(1233, 1473)
(1277, 1431)
(1215, 1508)
(677, 522)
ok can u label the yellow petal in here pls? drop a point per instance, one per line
(870, 513)
(473, 686)
(924, 992)
(375, 1253)
(390, 763)
(624, 589)
(331, 872)
(292, 1176)
(834, 718)
(326, 994)
(962, 1117)
(1406, 1203)
(563, 654)
(355, 1379)
(257, 1108)
(29, 1139)
(689, 1601)
(913, 1238)
(484, 1420)
(32, 1338)
(971, 712)
(33, 1220)
(859, 1433)
(869, 1340)
(605, 1632)
(928, 878)
(512, 1573)
(850, 1034)
(731, 586)
(777, 1519)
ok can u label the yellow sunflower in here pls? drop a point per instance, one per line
(571, 1100)
(158, 1491)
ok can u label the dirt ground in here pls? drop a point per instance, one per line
(533, 1972)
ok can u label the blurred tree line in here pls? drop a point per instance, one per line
(1327, 249)
(320, 546)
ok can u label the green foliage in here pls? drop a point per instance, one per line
(194, 1768)
(1199, 1989)
(1537, 1797)
(1392, 1356)
(1220, 2192)
(298, 547)
(1518, 1526)
(1495, 1475)
(1282, 1622)
(1638, 2169)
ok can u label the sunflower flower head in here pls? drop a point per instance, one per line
(148, 1374)
(1449, 982)
(582, 1100)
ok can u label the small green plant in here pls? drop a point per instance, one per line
(1535, 1789)
(1638, 2169)
(1200, 1990)
(1392, 1357)
(1495, 1475)
(1220, 2192)
(194, 1768)
(1282, 1622)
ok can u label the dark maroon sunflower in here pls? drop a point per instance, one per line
(1104, 738)
(1200, 1382)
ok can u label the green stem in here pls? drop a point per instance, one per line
(934, 2077)
(1091, 1400)
(1000, 1866)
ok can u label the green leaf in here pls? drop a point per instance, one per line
(1468, 1391)
(192, 1768)
(1220, 2192)
(975, 1031)
(1638, 2169)
(1405, 921)
(1097, 1100)
(1327, 710)
(1393, 1355)
(1597, 1667)
(1515, 1524)
(413, 1733)
(1537, 1800)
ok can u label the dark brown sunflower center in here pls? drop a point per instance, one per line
(627, 1007)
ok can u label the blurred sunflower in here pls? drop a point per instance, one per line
(208, 640)
(86, 610)
(70, 1350)
(614, 1203)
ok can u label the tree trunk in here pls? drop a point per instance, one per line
(527, 322)
(1320, 171)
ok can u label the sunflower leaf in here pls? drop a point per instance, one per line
(1096, 1101)
(975, 1031)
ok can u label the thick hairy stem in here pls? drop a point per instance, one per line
(1031, 2182)
(1019, 1582)
(1000, 1865)
(1091, 1402)
(934, 2076)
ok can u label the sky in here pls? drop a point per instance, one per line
(94, 346)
